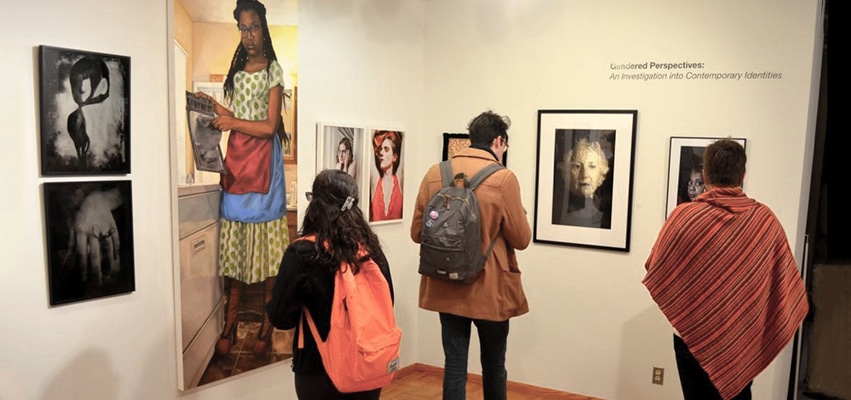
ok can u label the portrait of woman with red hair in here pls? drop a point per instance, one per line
(386, 199)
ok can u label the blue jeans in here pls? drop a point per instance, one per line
(493, 336)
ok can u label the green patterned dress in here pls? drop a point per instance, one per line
(250, 252)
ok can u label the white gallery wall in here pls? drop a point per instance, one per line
(425, 67)
(592, 328)
(114, 348)
(361, 64)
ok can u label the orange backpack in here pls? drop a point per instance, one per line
(362, 349)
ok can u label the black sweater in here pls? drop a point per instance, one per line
(302, 281)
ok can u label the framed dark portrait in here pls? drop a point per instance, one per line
(89, 228)
(583, 187)
(84, 112)
(582, 182)
(455, 142)
(685, 169)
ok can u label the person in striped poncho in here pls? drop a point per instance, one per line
(722, 273)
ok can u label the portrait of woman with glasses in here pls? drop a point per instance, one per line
(254, 232)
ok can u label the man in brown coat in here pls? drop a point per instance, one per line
(497, 294)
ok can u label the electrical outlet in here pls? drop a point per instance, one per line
(658, 375)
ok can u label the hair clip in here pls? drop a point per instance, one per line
(348, 204)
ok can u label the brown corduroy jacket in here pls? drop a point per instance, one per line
(497, 294)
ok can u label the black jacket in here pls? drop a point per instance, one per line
(302, 281)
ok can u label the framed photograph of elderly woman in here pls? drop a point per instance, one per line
(685, 169)
(339, 146)
(85, 112)
(583, 186)
(89, 228)
(386, 177)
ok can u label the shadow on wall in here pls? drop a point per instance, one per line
(88, 376)
(650, 332)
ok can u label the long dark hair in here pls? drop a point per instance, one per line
(343, 229)
(240, 56)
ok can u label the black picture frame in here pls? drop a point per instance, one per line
(452, 142)
(587, 210)
(84, 113)
(89, 227)
(684, 158)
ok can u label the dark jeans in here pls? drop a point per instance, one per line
(493, 336)
(694, 380)
(319, 386)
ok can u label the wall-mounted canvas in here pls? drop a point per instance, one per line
(84, 112)
(455, 142)
(341, 146)
(386, 178)
(89, 228)
(685, 169)
(583, 187)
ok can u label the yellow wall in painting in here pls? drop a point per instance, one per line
(212, 48)
(214, 44)
(285, 39)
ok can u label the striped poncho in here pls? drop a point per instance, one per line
(723, 274)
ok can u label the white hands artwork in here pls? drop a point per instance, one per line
(94, 236)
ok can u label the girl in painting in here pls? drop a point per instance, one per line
(254, 231)
(387, 194)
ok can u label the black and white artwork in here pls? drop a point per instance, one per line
(89, 228)
(583, 187)
(206, 140)
(85, 112)
(582, 178)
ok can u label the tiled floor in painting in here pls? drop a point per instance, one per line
(241, 357)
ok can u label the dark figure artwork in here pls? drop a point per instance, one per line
(89, 80)
(89, 239)
(85, 112)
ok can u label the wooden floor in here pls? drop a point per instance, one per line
(424, 382)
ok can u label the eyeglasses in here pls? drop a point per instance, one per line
(246, 30)
(308, 195)
(505, 141)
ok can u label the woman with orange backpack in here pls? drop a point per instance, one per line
(334, 239)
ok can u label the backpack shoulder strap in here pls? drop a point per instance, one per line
(446, 173)
(483, 174)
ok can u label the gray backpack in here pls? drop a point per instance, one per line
(451, 239)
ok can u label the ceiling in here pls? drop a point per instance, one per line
(278, 12)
